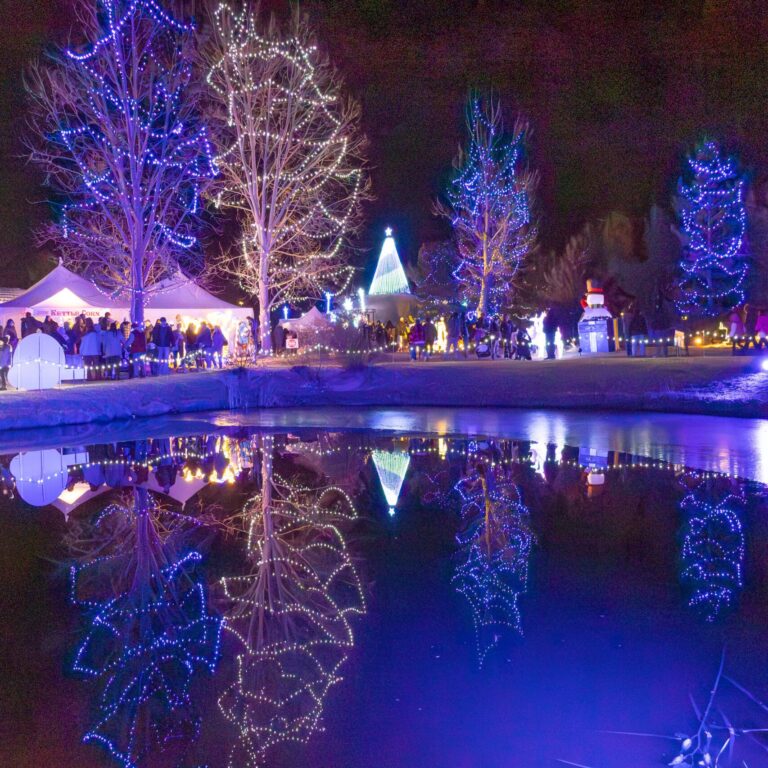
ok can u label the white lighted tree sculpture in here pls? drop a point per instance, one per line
(290, 154)
(489, 205)
(114, 125)
(496, 542)
(289, 615)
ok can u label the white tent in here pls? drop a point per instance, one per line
(63, 295)
(312, 320)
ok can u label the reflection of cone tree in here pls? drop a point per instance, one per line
(149, 633)
(496, 544)
(290, 615)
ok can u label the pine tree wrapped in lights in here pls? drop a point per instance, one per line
(391, 467)
(290, 615)
(713, 220)
(290, 153)
(390, 276)
(115, 127)
(489, 205)
(149, 633)
(496, 541)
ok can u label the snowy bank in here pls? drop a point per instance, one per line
(706, 385)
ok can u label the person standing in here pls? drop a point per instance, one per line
(113, 351)
(10, 332)
(218, 342)
(162, 336)
(430, 337)
(137, 350)
(736, 330)
(204, 346)
(550, 333)
(416, 340)
(761, 329)
(90, 349)
(638, 334)
(6, 361)
(453, 334)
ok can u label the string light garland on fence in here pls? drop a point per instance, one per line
(713, 219)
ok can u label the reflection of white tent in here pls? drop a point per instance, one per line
(40, 476)
(391, 468)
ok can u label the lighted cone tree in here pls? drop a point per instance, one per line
(496, 541)
(289, 614)
(713, 220)
(115, 127)
(489, 204)
(149, 631)
(290, 154)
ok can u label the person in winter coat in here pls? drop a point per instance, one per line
(494, 334)
(550, 333)
(416, 340)
(179, 340)
(761, 329)
(10, 332)
(137, 350)
(736, 329)
(401, 331)
(29, 325)
(112, 342)
(90, 349)
(638, 334)
(430, 337)
(453, 332)
(523, 345)
(162, 336)
(204, 346)
(218, 342)
(6, 360)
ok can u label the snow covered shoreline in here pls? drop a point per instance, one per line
(715, 385)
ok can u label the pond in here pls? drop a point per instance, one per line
(447, 589)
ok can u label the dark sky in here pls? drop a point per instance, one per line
(616, 91)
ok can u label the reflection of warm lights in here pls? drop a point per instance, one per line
(442, 447)
(698, 341)
(71, 495)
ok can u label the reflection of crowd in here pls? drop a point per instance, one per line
(107, 348)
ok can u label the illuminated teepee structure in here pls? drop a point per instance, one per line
(391, 468)
(390, 276)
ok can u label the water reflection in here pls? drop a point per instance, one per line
(496, 542)
(713, 543)
(149, 630)
(289, 613)
(227, 582)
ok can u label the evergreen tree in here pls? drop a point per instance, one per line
(712, 217)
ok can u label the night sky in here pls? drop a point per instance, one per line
(616, 93)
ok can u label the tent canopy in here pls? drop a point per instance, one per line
(60, 288)
(313, 319)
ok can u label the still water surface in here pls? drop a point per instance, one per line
(288, 595)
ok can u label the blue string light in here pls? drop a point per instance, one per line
(145, 644)
(490, 203)
(133, 152)
(713, 220)
(713, 553)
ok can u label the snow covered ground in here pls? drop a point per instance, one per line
(719, 385)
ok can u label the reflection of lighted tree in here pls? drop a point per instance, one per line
(149, 632)
(713, 552)
(290, 615)
(496, 544)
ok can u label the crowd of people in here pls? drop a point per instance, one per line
(748, 327)
(456, 335)
(108, 347)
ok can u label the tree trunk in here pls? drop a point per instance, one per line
(137, 295)
(265, 326)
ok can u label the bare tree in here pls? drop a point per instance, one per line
(290, 153)
(488, 203)
(114, 125)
